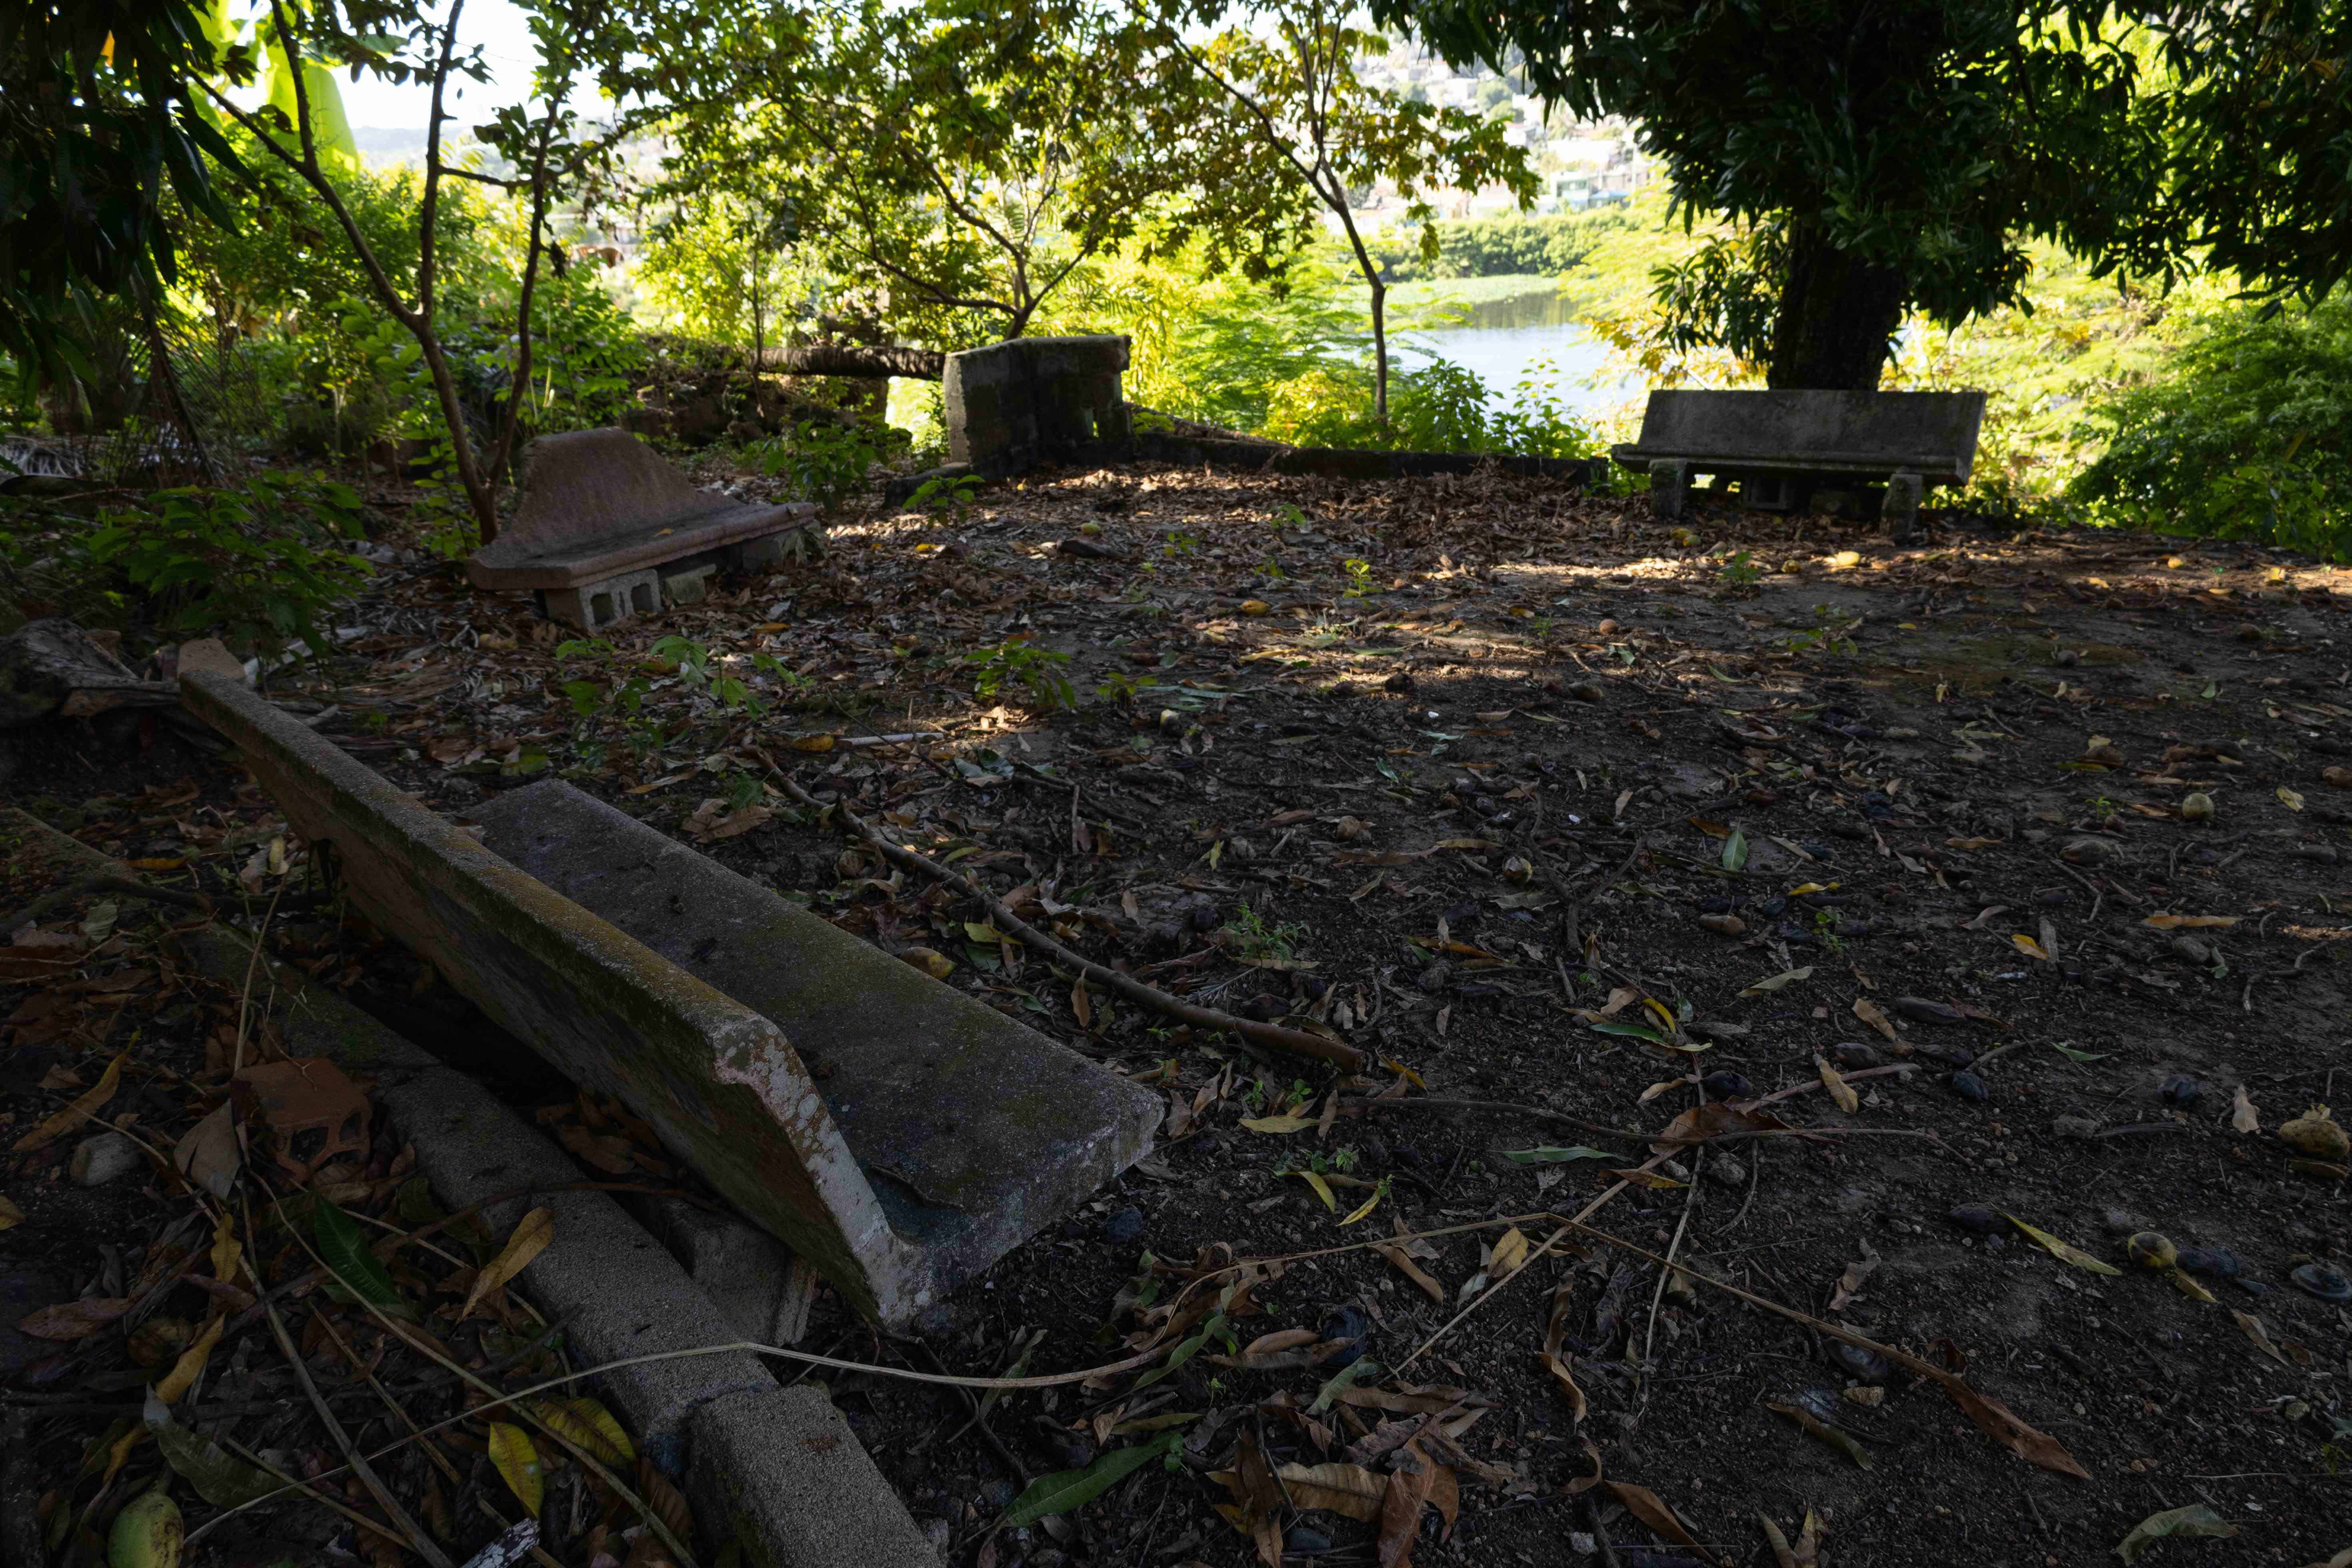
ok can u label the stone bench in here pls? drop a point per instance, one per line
(606, 530)
(1781, 446)
(895, 1133)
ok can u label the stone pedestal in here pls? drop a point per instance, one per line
(1014, 405)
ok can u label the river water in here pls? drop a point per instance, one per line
(1503, 341)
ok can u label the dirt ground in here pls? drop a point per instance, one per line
(2010, 866)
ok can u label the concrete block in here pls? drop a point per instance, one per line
(784, 1458)
(974, 1132)
(593, 606)
(749, 1275)
(690, 585)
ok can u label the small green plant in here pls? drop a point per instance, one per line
(1249, 935)
(953, 496)
(1271, 570)
(1739, 571)
(258, 561)
(1360, 577)
(1119, 686)
(823, 462)
(1287, 515)
(1180, 546)
(1018, 662)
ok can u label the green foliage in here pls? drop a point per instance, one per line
(2246, 434)
(1015, 661)
(1251, 935)
(820, 461)
(258, 563)
(1437, 407)
(1511, 244)
(953, 496)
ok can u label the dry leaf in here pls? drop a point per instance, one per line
(1510, 1251)
(2066, 1252)
(1400, 1506)
(1553, 1362)
(1850, 1283)
(2291, 799)
(10, 1214)
(1322, 1188)
(2197, 1519)
(79, 1111)
(929, 960)
(529, 1239)
(73, 1319)
(1351, 1490)
(2253, 1328)
(1277, 1124)
(1839, 1090)
(587, 1426)
(1774, 982)
(2190, 922)
(1646, 1505)
(2028, 946)
(1870, 1013)
(2241, 1113)
(191, 1364)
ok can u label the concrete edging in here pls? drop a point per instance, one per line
(776, 1469)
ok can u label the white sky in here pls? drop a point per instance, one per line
(498, 26)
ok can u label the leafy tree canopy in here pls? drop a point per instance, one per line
(1878, 156)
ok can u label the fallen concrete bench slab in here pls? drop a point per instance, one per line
(776, 1469)
(934, 1134)
(1781, 446)
(607, 530)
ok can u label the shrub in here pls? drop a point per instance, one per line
(258, 563)
(2245, 435)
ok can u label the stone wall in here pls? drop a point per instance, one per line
(1012, 405)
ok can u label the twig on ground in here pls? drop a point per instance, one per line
(1345, 1057)
(418, 1542)
(1690, 1202)
(117, 886)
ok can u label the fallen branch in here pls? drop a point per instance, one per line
(1345, 1057)
(115, 885)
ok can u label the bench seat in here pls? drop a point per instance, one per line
(1781, 445)
(601, 514)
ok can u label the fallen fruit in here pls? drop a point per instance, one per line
(1968, 1085)
(2196, 807)
(2316, 1135)
(1728, 926)
(2150, 1250)
(147, 1533)
(930, 960)
(2180, 1089)
(2214, 1262)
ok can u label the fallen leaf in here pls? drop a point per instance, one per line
(2028, 946)
(1401, 1504)
(2252, 1329)
(73, 1319)
(2190, 922)
(1322, 1188)
(191, 1364)
(2241, 1113)
(1547, 1154)
(518, 1464)
(1510, 1251)
(2291, 799)
(1774, 982)
(2066, 1252)
(1554, 1363)
(79, 1111)
(1839, 1090)
(2197, 1519)
(1813, 1427)
(929, 960)
(10, 1214)
(1066, 1489)
(207, 1154)
(1348, 1489)
(1871, 1014)
(1646, 1506)
(1277, 1124)
(2001, 1423)
(530, 1237)
(1850, 1283)
(587, 1426)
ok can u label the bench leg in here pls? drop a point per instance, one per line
(593, 606)
(1669, 490)
(1901, 508)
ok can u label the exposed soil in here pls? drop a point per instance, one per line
(1537, 771)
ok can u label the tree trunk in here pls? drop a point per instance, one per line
(1379, 351)
(46, 665)
(1837, 320)
(857, 360)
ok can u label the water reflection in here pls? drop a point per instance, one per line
(1499, 341)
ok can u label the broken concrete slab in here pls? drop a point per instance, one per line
(600, 508)
(785, 1461)
(976, 1131)
(945, 1133)
(1011, 405)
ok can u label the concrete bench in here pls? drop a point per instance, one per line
(1781, 446)
(607, 530)
(899, 1135)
